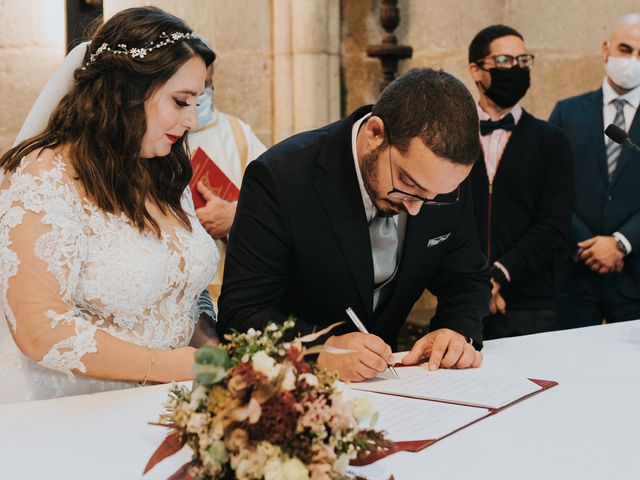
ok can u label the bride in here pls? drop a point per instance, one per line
(102, 259)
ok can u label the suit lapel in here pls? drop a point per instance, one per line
(595, 130)
(626, 153)
(337, 186)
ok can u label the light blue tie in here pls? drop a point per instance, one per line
(383, 233)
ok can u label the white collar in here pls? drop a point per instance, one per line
(609, 95)
(369, 209)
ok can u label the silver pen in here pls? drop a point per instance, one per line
(360, 326)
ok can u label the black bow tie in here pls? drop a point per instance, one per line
(505, 123)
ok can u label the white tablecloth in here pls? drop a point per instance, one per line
(588, 427)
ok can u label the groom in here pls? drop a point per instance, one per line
(366, 213)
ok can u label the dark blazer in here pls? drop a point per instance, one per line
(300, 246)
(601, 207)
(525, 222)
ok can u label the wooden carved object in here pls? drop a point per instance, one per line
(389, 52)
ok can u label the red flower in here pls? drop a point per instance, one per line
(278, 420)
(248, 374)
(294, 355)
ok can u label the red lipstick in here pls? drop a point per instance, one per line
(172, 138)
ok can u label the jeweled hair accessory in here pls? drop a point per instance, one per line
(122, 49)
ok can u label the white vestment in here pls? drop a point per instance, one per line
(231, 144)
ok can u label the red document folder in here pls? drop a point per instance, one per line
(417, 445)
(205, 169)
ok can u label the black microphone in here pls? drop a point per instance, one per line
(619, 136)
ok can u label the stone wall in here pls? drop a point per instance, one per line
(565, 36)
(289, 65)
(278, 65)
(32, 36)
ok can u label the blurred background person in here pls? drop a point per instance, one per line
(522, 188)
(601, 268)
(231, 145)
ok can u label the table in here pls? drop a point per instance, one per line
(588, 427)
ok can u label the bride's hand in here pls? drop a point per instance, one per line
(172, 365)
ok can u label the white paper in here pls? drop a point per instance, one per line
(406, 419)
(466, 387)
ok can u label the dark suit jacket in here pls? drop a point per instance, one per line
(601, 207)
(525, 223)
(300, 246)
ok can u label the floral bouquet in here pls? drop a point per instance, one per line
(258, 410)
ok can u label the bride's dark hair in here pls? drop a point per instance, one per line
(102, 118)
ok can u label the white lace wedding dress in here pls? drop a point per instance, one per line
(64, 263)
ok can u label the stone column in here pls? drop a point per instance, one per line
(306, 81)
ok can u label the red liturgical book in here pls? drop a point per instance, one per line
(205, 169)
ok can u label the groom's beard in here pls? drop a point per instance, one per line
(369, 170)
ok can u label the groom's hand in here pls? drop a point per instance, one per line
(444, 348)
(370, 357)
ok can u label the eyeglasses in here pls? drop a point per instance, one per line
(411, 197)
(507, 61)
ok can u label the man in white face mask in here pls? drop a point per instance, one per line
(230, 144)
(600, 274)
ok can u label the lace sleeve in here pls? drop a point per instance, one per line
(42, 247)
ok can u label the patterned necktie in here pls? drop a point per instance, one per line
(613, 148)
(383, 233)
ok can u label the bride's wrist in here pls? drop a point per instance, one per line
(172, 365)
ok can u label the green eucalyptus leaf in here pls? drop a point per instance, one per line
(218, 452)
(208, 375)
(210, 355)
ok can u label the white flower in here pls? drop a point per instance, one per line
(290, 469)
(310, 378)
(261, 362)
(362, 409)
(197, 422)
(250, 333)
(138, 52)
(198, 395)
(294, 469)
(273, 469)
(289, 381)
(341, 464)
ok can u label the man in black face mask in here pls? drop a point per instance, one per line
(522, 188)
